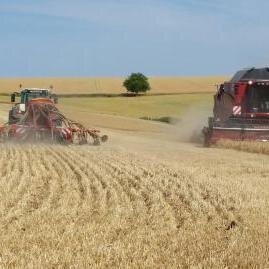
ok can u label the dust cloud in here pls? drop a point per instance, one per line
(189, 126)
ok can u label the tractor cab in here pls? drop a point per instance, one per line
(28, 94)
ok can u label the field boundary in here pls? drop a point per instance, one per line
(93, 95)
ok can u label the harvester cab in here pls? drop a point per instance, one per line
(241, 108)
(26, 95)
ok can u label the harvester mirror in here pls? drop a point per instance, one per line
(13, 97)
(220, 91)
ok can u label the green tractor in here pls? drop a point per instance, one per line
(27, 94)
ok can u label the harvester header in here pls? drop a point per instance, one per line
(241, 108)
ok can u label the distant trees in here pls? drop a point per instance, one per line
(136, 83)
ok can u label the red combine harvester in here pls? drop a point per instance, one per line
(36, 118)
(241, 108)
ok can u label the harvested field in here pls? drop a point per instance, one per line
(136, 202)
(113, 85)
(143, 200)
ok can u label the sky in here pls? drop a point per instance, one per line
(117, 37)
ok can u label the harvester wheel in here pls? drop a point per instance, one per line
(207, 137)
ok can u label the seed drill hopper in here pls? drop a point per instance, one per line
(37, 118)
(241, 108)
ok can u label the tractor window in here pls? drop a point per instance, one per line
(257, 99)
(27, 96)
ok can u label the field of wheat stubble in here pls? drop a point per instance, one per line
(85, 206)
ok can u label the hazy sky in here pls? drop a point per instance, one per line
(116, 37)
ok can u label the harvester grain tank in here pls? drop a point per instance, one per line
(241, 108)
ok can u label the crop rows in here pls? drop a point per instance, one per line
(84, 206)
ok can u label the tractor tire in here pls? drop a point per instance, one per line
(11, 119)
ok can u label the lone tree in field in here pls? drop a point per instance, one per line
(137, 83)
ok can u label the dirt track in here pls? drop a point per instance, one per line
(136, 202)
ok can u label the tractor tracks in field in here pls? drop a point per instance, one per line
(100, 182)
(24, 195)
(65, 159)
(93, 179)
(178, 191)
(16, 175)
(145, 188)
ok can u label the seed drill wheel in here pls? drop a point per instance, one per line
(104, 138)
(96, 141)
(3, 135)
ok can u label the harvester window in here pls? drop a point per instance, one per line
(257, 99)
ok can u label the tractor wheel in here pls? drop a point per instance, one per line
(11, 119)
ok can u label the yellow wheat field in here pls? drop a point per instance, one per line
(134, 203)
(247, 146)
(143, 200)
(112, 85)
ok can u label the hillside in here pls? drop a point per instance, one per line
(112, 85)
